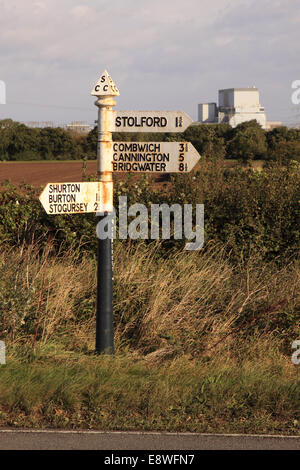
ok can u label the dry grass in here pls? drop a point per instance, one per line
(200, 345)
(192, 302)
(195, 302)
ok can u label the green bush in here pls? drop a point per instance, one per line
(245, 142)
(246, 210)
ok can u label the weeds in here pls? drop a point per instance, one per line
(127, 393)
(200, 345)
(191, 303)
(203, 339)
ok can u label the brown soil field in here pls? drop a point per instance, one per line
(41, 173)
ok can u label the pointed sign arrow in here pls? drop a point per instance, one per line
(157, 157)
(150, 121)
(77, 198)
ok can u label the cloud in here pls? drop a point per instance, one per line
(73, 28)
(165, 53)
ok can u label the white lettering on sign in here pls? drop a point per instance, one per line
(157, 157)
(73, 198)
(150, 121)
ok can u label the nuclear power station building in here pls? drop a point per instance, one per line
(235, 105)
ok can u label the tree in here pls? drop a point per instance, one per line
(206, 140)
(89, 145)
(248, 142)
(56, 143)
(278, 134)
(286, 152)
(17, 142)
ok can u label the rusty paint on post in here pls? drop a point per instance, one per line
(104, 148)
(105, 89)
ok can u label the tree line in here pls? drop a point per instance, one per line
(247, 141)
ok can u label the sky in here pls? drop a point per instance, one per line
(162, 55)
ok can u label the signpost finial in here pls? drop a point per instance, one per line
(105, 86)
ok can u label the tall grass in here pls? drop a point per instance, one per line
(192, 302)
(201, 344)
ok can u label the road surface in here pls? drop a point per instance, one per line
(97, 440)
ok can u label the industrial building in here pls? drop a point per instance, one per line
(39, 124)
(79, 127)
(235, 105)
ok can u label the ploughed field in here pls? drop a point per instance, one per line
(40, 173)
(43, 172)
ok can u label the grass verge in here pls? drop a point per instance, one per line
(201, 345)
(68, 390)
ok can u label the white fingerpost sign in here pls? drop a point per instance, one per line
(76, 198)
(154, 157)
(84, 197)
(150, 121)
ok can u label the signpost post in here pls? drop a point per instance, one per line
(72, 198)
(105, 90)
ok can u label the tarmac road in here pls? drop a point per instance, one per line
(97, 440)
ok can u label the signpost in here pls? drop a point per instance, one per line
(150, 121)
(150, 157)
(105, 90)
(76, 198)
(72, 198)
